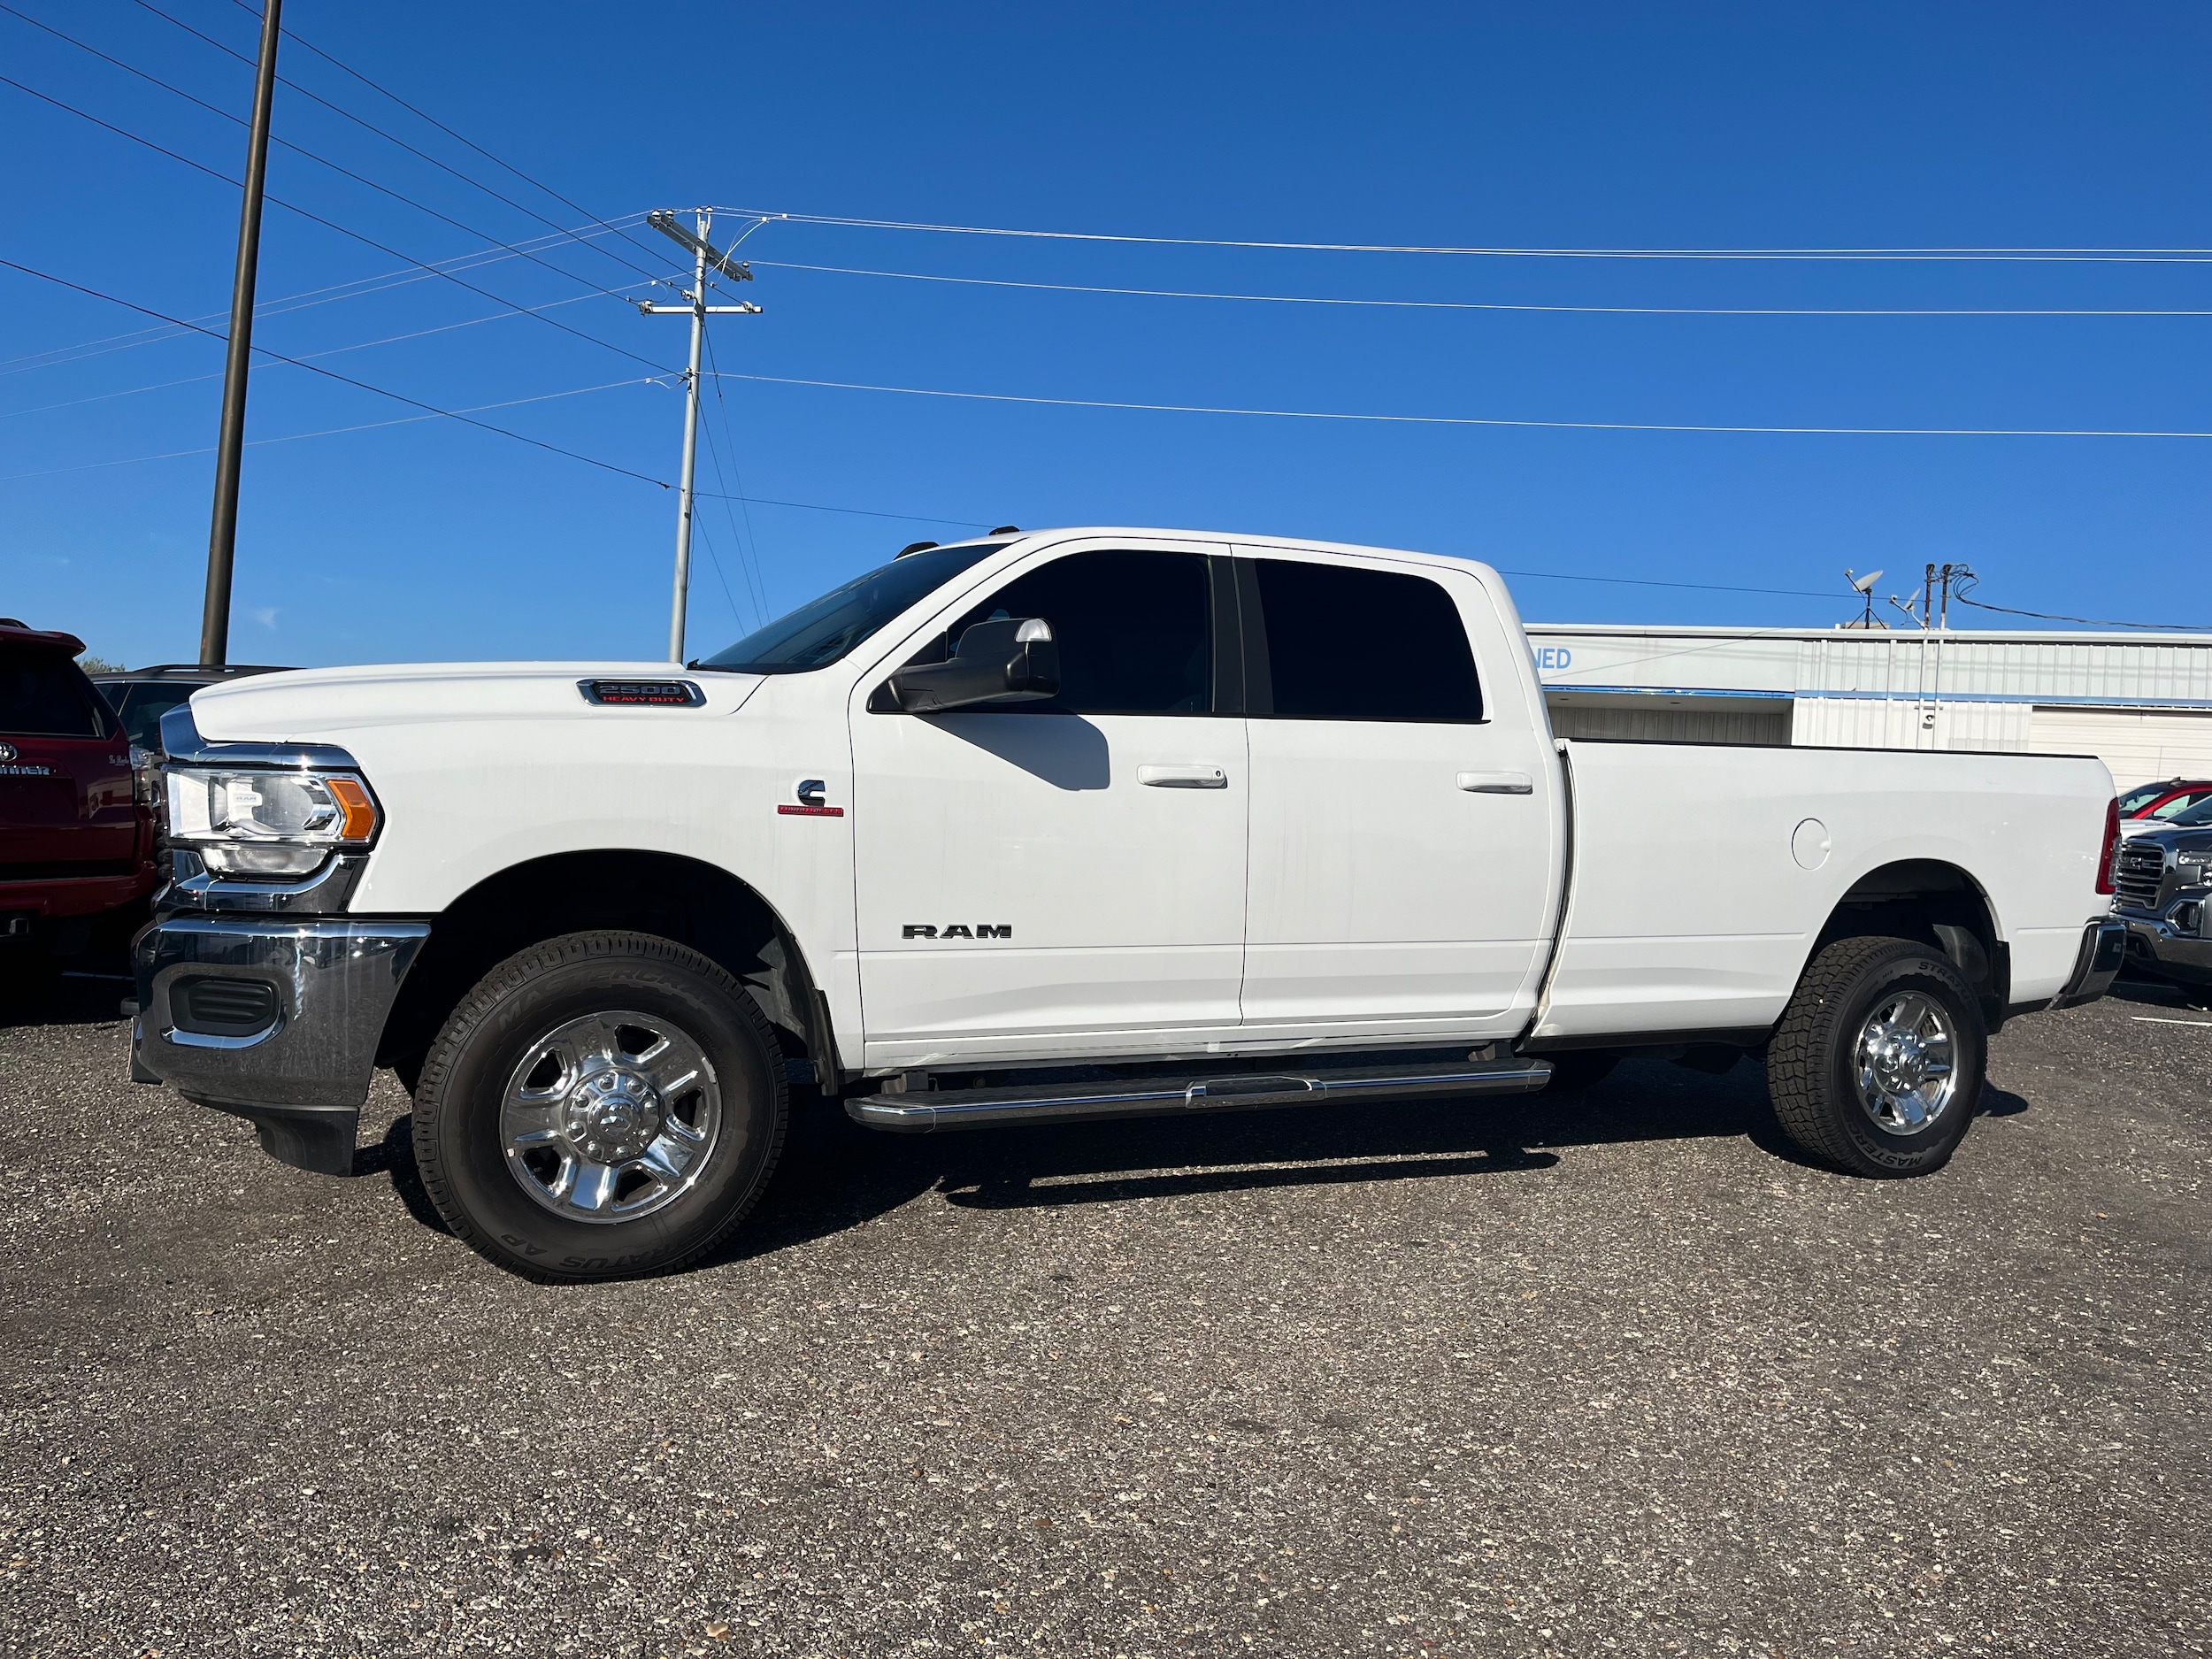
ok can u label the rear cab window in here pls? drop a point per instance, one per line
(1341, 642)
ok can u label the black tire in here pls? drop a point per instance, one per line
(459, 1144)
(1579, 1070)
(1812, 1059)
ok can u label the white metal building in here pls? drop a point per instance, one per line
(2144, 706)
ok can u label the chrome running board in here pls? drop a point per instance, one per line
(923, 1110)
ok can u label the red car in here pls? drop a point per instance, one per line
(76, 837)
(2149, 802)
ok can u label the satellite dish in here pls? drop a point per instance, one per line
(1863, 584)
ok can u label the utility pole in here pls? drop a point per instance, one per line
(705, 254)
(222, 535)
(1956, 579)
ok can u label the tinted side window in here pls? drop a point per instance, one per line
(1348, 644)
(43, 694)
(1135, 631)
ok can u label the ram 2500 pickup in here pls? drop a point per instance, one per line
(1052, 827)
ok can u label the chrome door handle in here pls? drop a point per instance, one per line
(1496, 783)
(1183, 776)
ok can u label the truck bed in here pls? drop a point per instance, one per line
(1700, 874)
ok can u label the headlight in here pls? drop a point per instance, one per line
(267, 823)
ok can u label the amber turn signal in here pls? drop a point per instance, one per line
(353, 800)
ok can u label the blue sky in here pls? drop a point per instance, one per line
(1570, 126)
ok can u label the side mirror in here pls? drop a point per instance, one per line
(997, 663)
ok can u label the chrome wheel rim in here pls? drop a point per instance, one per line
(1904, 1064)
(610, 1116)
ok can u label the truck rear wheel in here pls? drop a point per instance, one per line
(603, 1105)
(1876, 1067)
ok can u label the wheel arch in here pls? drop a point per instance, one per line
(689, 899)
(1939, 904)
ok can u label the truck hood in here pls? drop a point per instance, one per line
(2179, 840)
(326, 703)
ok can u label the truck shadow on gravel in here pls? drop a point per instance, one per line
(836, 1176)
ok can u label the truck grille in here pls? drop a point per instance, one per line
(2138, 872)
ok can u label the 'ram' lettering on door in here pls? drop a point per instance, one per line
(959, 930)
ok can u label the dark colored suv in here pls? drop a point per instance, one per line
(140, 696)
(76, 837)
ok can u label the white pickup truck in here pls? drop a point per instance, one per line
(1049, 827)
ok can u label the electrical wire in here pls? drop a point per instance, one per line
(335, 108)
(306, 299)
(422, 115)
(1474, 420)
(332, 374)
(1483, 305)
(329, 351)
(728, 599)
(2095, 622)
(858, 513)
(321, 161)
(758, 576)
(2109, 255)
(356, 235)
(333, 432)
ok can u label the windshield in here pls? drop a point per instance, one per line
(817, 634)
(2196, 818)
(2135, 800)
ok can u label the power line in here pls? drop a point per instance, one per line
(1640, 581)
(757, 576)
(1482, 305)
(329, 351)
(306, 299)
(356, 235)
(1473, 420)
(2107, 256)
(389, 137)
(2095, 622)
(425, 116)
(332, 374)
(333, 432)
(859, 512)
(321, 161)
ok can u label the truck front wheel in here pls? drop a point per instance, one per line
(1877, 1067)
(600, 1106)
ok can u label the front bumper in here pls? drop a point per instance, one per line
(2159, 937)
(301, 1073)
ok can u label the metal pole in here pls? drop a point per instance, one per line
(222, 535)
(691, 447)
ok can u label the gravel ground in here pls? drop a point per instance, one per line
(1611, 1377)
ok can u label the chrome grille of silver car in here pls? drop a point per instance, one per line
(2138, 872)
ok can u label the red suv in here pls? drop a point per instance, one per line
(76, 839)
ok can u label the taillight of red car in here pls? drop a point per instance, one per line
(2111, 847)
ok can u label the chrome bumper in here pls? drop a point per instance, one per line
(2103, 949)
(301, 1077)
